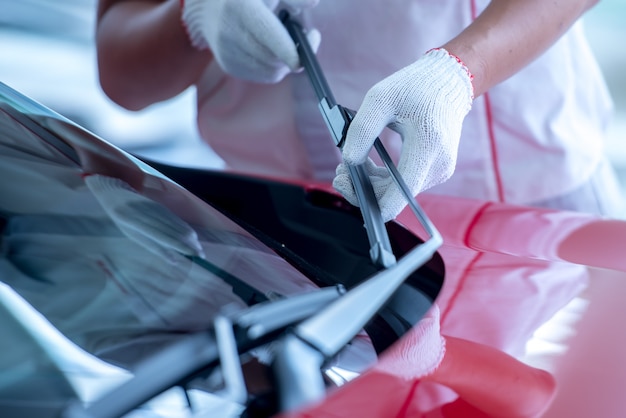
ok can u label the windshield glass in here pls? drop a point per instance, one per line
(118, 258)
(106, 262)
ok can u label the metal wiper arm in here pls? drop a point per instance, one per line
(232, 334)
(302, 353)
(338, 119)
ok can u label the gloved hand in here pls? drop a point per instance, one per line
(246, 37)
(143, 220)
(426, 103)
(419, 352)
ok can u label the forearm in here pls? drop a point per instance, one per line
(144, 55)
(509, 34)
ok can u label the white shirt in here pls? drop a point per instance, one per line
(534, 136)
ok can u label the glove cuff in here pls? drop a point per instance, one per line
(454, 78)
(193, 18)
(459, 60)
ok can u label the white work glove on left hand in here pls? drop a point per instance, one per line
(419, 352)
(145, 221)
(426, 103)
(246, 37)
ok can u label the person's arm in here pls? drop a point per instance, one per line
(426, 102)
(509, 34)
(151, 50)
(144, 54)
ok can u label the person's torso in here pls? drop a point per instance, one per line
(548, 117)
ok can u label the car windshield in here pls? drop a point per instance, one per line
(86, 271)
(106, 262)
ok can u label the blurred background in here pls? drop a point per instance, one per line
(607, 33)
(47, 53)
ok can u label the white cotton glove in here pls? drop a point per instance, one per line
(246, 37)
(143, 220)
(425, 103)
(418, 353)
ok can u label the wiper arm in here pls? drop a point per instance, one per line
(302, 353)
(338, 119)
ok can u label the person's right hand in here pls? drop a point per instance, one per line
(426, 103)
(246, 37)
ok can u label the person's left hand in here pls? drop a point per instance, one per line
(426, 103)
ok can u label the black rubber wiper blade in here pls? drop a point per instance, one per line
(338, 119)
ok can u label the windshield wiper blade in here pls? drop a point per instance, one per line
(338, 119)
(303, 352)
